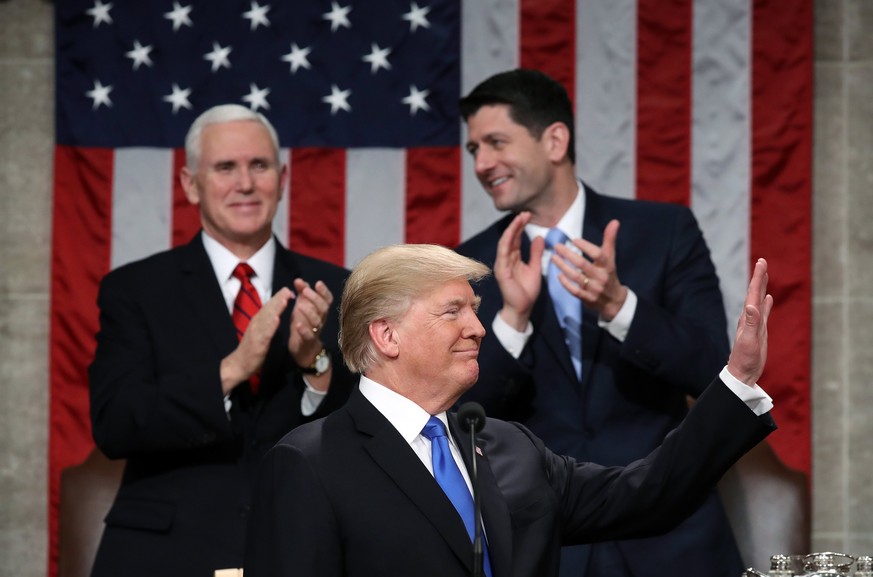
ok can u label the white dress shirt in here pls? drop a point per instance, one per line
(409, 419)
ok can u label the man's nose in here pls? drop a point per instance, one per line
(476, 328)
(484, 161)
(244, 179)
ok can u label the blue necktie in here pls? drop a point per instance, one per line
(449, 477)
(567, 307)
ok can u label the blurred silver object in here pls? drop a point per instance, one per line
(825, 564)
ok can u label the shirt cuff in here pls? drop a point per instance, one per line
(311, 399)
(512, 340)
(620, 324)
(754, 396)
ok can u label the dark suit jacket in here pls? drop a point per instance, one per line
(347, 496)
(631, 394)
(156, 401)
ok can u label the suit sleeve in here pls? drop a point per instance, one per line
(679, 334)
(146, 397)
(652, 495)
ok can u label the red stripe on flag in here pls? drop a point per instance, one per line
(318, 203)
(664, 45)
(781, 208)
(186, 216)
(81, 253)
(548, 39)
(433, 198)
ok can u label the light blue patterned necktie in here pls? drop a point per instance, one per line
(448, 476)
(567, 307)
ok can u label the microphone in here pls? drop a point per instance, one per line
(471, 415)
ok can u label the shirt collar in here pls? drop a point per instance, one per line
(223, 261)
(570, 224)
(407, 417)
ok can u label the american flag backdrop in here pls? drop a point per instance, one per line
(702, 102)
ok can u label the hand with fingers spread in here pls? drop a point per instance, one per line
(592, 276)
(749, 354)
(247, 358)
(519, 281)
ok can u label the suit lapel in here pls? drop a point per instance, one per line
(203, 294)
(592, 230)
(394, 456)
(495, 514)
(284, 272)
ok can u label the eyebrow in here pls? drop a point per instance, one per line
(459, 302)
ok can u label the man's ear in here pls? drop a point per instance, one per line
(384, 338)
(189, 185)
(283, 180)
(556, 138)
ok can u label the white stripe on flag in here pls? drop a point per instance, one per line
(721, 140)
(141, 203)
(375, 200)
(606, 83)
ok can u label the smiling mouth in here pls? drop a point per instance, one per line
(245, 204)
(497, 181)
(474, 352)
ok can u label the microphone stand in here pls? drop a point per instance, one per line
(478, 553)
(472, 417)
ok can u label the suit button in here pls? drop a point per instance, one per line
(590, 433)
(244, 511)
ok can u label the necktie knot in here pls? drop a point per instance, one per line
(434, 429)
(243, 272)
(555, 237)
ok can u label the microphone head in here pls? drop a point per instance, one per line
(471, 416)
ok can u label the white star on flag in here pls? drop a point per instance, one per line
(417, 17)
(179, 98)
(338, 16)
(100, 95)
(139, 54)
(179, 16)
(100, 13)
(218, 56)
(338, 99)
(297, 57)
(416, 100)
(257, 15)
(257, 97)
(378, 58)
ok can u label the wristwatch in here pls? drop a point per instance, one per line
(320, 365)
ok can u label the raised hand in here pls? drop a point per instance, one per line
(749, 354)
(247, 358)
(307, 320)
(592, 276)
(519, 281)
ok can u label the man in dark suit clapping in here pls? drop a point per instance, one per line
(207, 354)
(629, 324)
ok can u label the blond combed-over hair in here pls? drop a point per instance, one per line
(384, 285)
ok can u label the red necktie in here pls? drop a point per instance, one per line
(246, 306)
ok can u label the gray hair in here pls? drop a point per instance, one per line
(219, 115)
(384, 285)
